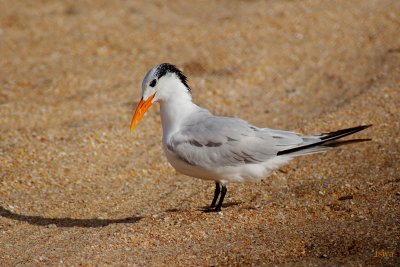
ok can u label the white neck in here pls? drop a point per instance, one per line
(173, 114)
(175, 105)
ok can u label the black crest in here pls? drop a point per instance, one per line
(165, 68)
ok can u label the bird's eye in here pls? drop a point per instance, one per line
(153, 83)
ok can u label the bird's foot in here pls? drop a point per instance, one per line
(213, 209)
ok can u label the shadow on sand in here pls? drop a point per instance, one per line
(65, 222)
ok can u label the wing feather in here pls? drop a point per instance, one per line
(210, 141)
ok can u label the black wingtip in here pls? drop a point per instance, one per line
(328, 139)
(362, 127)
(344, 132)
(346, 142)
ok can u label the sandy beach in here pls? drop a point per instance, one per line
(77, 189)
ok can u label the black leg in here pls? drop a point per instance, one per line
(216, 194)
(221, 200)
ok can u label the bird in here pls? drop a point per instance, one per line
(221, 149)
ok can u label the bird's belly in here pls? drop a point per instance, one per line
(189, 169)
(225, 174)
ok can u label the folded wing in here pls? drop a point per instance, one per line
(210, 141)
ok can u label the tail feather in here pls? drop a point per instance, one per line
(326, 141)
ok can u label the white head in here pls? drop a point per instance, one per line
(161, 83)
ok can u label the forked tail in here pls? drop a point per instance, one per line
(325, 141)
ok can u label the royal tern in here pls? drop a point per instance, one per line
(222, 149)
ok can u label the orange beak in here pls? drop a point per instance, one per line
(141, 108)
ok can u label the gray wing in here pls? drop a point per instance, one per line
(209, 141)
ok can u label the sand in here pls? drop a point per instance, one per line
(76, 188)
